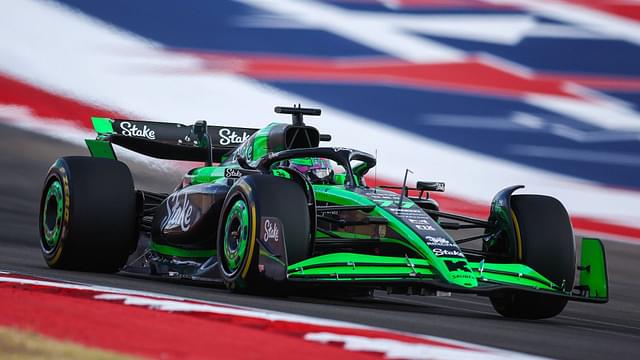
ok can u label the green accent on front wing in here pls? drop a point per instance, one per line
(511, 274)
(236, 234)
(100, 149)
(351, 266)
(52, 218)
(593, 269)
(178, 252)
(102, 125)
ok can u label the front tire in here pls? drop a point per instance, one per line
(88, 218)
(546, 244)
(249, 200)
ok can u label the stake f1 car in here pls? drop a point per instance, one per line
(278, 211)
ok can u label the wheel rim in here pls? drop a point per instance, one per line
(52, 214)
(236, 235)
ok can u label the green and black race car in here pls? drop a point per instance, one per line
(279, 213)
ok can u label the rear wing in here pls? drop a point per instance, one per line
(173, 141)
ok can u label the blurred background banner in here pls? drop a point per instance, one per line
(479, 94)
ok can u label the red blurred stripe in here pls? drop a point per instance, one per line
(144, 332)
(45, 104)
(625, 8)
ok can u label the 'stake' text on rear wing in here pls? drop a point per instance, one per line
(173, 141)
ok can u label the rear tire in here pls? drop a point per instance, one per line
(254, 197)
(547, 246)
(88, 218)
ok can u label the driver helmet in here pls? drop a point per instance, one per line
(317, 170)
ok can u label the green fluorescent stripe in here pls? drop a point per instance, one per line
(517, 274)
(100, 149)
(594, 268)
(355, 258)
(362, 271)
(52, 235)
(102, 125)
(207, 174)
(234, 249)
(356, 266)
(352, 266)
(363, 277)
(522, 279)
(260, 146)
(174, 251)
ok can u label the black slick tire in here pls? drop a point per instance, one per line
(95, 228)
(546, 244)
(265, 196)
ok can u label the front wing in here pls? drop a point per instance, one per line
(417, 276)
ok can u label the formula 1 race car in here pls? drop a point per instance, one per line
(270, 210)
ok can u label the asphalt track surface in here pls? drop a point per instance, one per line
(581, 331)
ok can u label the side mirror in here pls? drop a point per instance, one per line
(430, 186)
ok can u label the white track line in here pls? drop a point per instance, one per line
(393, 349)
